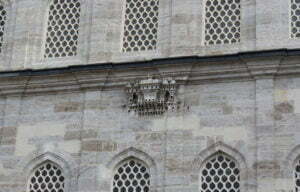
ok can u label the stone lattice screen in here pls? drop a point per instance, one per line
(2, 24)
(297, 176)
(220, 173)
(140, 25)
(295, 18)
(48, 177)
(63, 28)
(131, 176)
(222, 22)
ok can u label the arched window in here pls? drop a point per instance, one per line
(297, 176)
(140, 25)
(220, 173)
(222, 21)
(131, 176)
(3, 16)
(48, 177)
(295, 19)
(63, 28)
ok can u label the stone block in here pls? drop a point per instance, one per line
(99, 146)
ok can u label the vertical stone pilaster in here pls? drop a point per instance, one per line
(264, 105)
(10, 120)
(265, 165)
(10, 114)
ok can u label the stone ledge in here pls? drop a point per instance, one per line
(193, 70)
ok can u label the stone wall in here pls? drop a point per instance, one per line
(92, 128)
(265, 25)
(80, 121)
(245, 105)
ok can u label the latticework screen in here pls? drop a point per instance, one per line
(222, 21)
(3, 15)
(220, 173)
(140, 25)
(297, 176)
(48, 177)
(63, 28)
(295, 18)
(131, 176)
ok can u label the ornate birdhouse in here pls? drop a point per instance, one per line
(151, 97)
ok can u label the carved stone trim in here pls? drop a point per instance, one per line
(187, 70)
(152, 97)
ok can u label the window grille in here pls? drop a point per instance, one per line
(220, 174)
(3, 16)
(63, 28)
(140, 25)
(48, 177)
(295, 18)
(297, 176)
(222, 22)
(131, 176)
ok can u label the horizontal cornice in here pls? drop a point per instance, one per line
(186, 70)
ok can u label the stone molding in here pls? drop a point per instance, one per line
(131, 152)
(290, 161)
(61, 158)
(37, 59)
(139, 155)
(189, 70)
(66, 162)
(151, 97)
(221, 147)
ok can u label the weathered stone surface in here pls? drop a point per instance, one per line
(284, 108)
(81, 134)
(8, 131)
(246, 105)
(99, 146)
(68, 107)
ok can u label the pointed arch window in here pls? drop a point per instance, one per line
(220, 173)
(3, 18)
(47, 177)
(63, 28)
(131, 176)
(297, 176)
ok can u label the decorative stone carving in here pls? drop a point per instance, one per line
(152, 97)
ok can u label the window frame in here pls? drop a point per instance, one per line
(215, 155)
(35, 54)
(121, 163)
(46, 32)
(122, 30)
(296, 162)
(29, 176)
(9, 32)
(133, 153)
(203, 42)
(221, 147)
(5, 5)
(290, 21)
